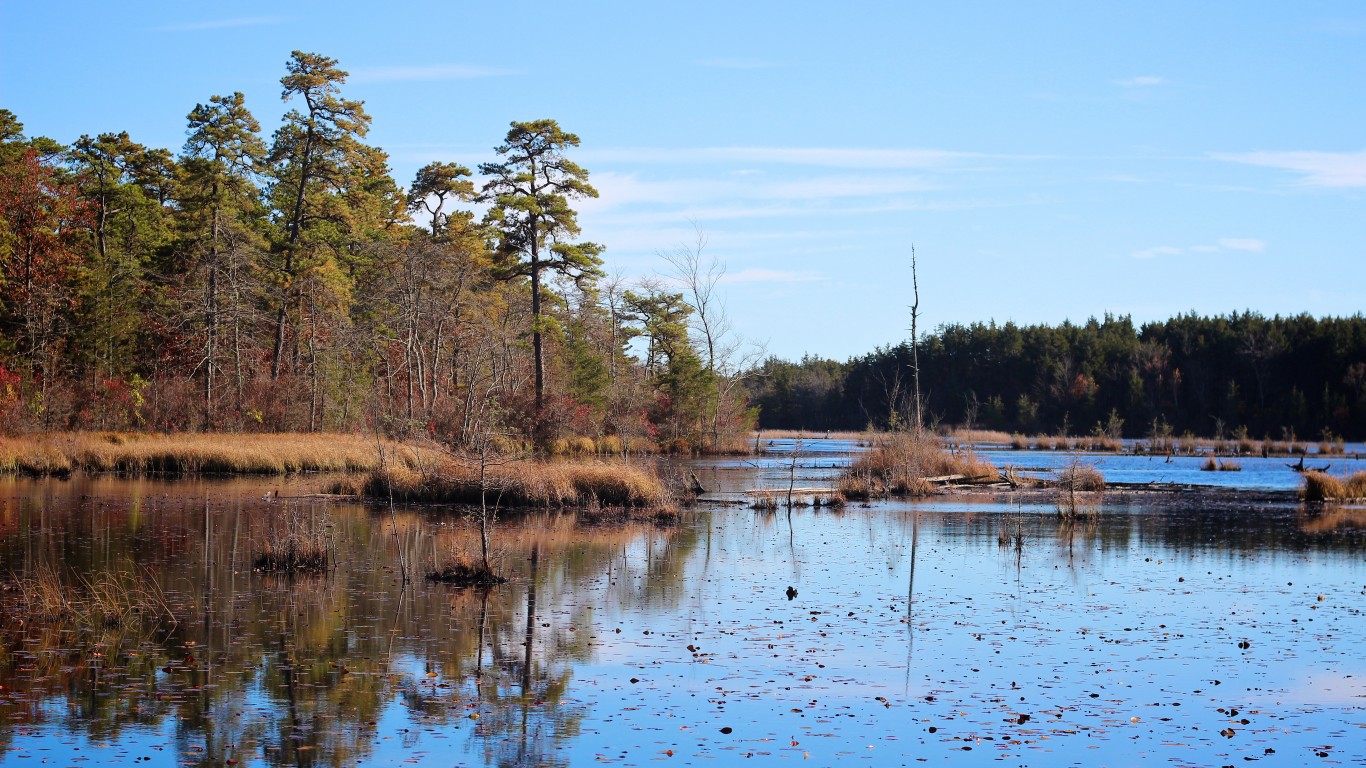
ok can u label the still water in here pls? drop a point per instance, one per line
(976, 630)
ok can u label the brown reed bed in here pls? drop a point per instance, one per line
(910, 464)
(979, 436)
(60, 453)
(294, 540)
(1078, 490)
(1321, 486)
(106, 600)
(520, 483)
(1213, 464)
(464, 573)
(810, 434)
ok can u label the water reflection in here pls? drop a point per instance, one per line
(915, 628)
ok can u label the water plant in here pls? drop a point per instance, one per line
(109, 599)
(1321, 486)
(912, 464)
(295, 540)
(1078, 489)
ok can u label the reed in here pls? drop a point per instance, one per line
(1212, 464)
(1321, 486)
(809, 434)
(200, 453)
(466, 573)
(1080, 476)
(524, 483)
(105, 600)
(903, 463)
(980, 436)
(295, 540)
(765, 502)
(1079, 487)
(1101, 444)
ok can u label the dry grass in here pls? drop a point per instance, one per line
(1321, 486)
(294, 540)
(464, 573)
(904, 463)
(793, 434)
(1220, 465)
(524, 483)
(1101, 444)
(980, 436)
(106, 600)
(139, 453)
(1079, 476)
(1079, 490)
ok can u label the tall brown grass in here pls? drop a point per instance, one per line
(295, 539)
(138, 453)
(523, 483)
(809, 434)
(1321, 486)
(903, 463)
(980, 436)
(1220, 465)
(109, 599)
(1078, 490)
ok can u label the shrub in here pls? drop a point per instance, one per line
(904, 462)
(1321, 486)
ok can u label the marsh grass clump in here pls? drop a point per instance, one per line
(908, 463)
(1321, 486)
(463, 573)
(1101, 444)
(1079, 488)
(833, 500)
(1212, 464)
(765, 502)
(105, 600)
(524, 483)
(60, 453)
(296, 540)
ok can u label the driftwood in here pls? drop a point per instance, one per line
(795, 492)
(1301, 468)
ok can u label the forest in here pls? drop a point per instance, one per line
(289, 283)
(1236, 375)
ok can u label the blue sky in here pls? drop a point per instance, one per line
(1050, 161)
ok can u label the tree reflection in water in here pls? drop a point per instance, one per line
(300, 670)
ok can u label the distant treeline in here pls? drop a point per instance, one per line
(1210, 376)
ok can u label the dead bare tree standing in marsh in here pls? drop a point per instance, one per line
(915, 341)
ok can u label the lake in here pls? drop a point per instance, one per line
(977, 629)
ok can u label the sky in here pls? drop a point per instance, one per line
(1047, 161)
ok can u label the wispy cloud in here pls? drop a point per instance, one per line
(729, 62)
(426, 73)
(1319, 169)
(1223, 245)
(1242, 244)
(1142, 81)
(759, 275)
(839, 157)
(1160, 250)
(618, 189)
(245, 21)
